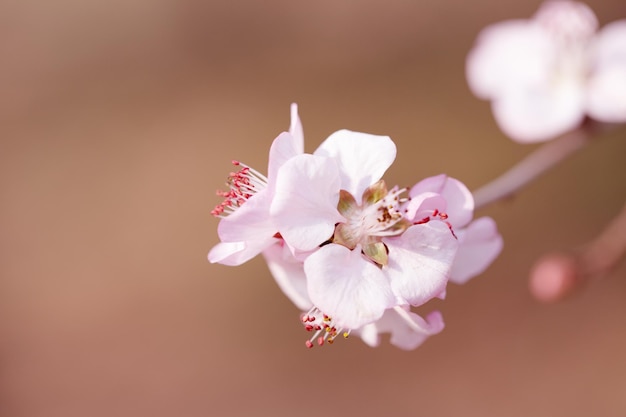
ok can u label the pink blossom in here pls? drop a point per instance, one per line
(343, 247)
(246, 227)
(366, 256)
(545, 74)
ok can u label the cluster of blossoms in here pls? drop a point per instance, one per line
(355, 255)
(545, 75)
(351, 253)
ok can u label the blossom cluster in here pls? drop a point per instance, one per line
(353, 254)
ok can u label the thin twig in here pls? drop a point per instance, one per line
(531, 167)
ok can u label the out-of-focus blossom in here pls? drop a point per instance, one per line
(545, 74)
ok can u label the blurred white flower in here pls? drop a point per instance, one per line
(544, 75)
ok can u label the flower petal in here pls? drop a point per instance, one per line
(289, 275)
(237, 253)
(411, 331)
(479, 245)
(369, 334)
(249, 222)
(405, 336)
(283, 149)
(540, 112)
(568, 19)
(459, 200)
(362, 158)
(609, 46)
(607, 94)
(514, 52)
(422, 206)
(607, 84)
(295, 128)
(304, 206)
(347, 287)
(408, 330)
(420, 261)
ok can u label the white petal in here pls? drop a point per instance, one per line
(423, 204)
(237, 253)
(609, 46)
(571, 20)
(362, 158)
(369, 334)
(283, 149)
(607, 94)
(304, 206)
(607, 84)
(479, 245)
(289, 275)
(409, 336)
(249, 222)
(420, 261)
(514, 52)
(347, 287)
(459, 200)
(540, 112)
(295, 128)
(408, 330)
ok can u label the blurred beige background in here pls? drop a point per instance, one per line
(118, 121)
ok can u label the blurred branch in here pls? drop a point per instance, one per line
(535, 164)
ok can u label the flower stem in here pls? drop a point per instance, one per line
(531, 167)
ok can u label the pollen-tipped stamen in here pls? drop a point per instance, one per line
(242, 185)
(438, 215)
(322, 327)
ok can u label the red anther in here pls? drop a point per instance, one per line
(320, 340)
(318, 327)
(308, 344)
(305, 318)
(424, 220)
(234, 162)
(308, 327)
(443, 216)
(311, 318)
(435, 212)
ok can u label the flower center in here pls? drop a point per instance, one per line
(378, 215)
(242, 185)
(322, 327)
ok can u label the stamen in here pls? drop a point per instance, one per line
(242, 185)
(438, 215)
(323, 327)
